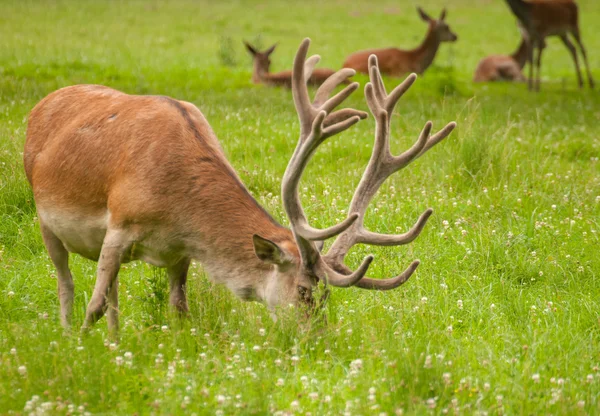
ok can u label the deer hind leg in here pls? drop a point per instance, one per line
(105, 292)
(538, 64)
(577, 37)
(530, 62)
(177, 283)
(60, 257)
(573, 53)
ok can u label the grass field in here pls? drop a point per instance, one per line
(502, 317)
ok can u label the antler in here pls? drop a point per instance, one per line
(317, 123)
(381, 165)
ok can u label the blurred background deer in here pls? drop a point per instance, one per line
(505, 67)
(541, 19)
(397, 62)
(261, 73)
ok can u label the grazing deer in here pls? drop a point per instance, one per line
(261, 70)
(120, 177)
(504, 67)
(542, 18)
(396, 62)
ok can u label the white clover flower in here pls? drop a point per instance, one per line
(279, 382)
(459, 303)
(256, 348)
(262, 332)
(22, 370)
(427, 362)
(535, 378)
(487, 386)
(295, 404)
(119, 361)
(356, 365)
(221, 399)
(164, 328)
(313, 396)
(424, 300)
(10, 294)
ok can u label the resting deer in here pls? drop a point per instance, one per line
(397, 62)
(504, 67)
(542, 18)
(261, 70)
(120, 177)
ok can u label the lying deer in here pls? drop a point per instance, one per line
(396, 62)
(504, 67)
(120, 177)
(542, 18)
(261, 70)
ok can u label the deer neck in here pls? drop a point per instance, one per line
(221, 233)
(521, 9)
(521, 54)
(259, 74)
(427, 50)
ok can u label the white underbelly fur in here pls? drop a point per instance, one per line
(84, 235)
(79, 233)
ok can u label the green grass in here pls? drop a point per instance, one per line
(514, 238)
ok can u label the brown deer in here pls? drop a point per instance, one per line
(504, 67)
(261, 70)
(397, 62)
(120, 177)
(542, 18)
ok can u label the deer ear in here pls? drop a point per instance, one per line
(250, 48)
(424, 16)
(271, 49)
(268, 251)
(443, 15)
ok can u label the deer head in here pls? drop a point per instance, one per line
(261, 61)
(299, 264)
(439, 26)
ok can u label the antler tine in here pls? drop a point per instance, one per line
(381, 165)
(309, 66)
(313, 132)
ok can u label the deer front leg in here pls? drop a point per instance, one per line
(105, 291)
(177, 283)
(569, 45)
(538, 64)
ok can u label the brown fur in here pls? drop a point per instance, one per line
(543, 18)
(261, 70)
(397, 62)
(503, 67)
(145, 174)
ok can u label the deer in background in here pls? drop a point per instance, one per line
(542, 18)
(261, 70)
(505, 67)
(397, 62)
(120, 177)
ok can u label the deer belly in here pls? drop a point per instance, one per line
(80, 233)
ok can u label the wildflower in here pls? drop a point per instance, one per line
(22, 370)
(313, 396)
(447, 377)
(295, 359)
(262, 332)
(119, 361)
(486, 386)
(459, 303)
(427, 362)
(193, 331)
(590, 378)
(279, 382)
(295, 404)
(423, 299)
(11, 294)
(356, 365)
(164, 328)
(221, 399)
(535, 378)
(256, 348)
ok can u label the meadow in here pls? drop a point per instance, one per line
(502, 316)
